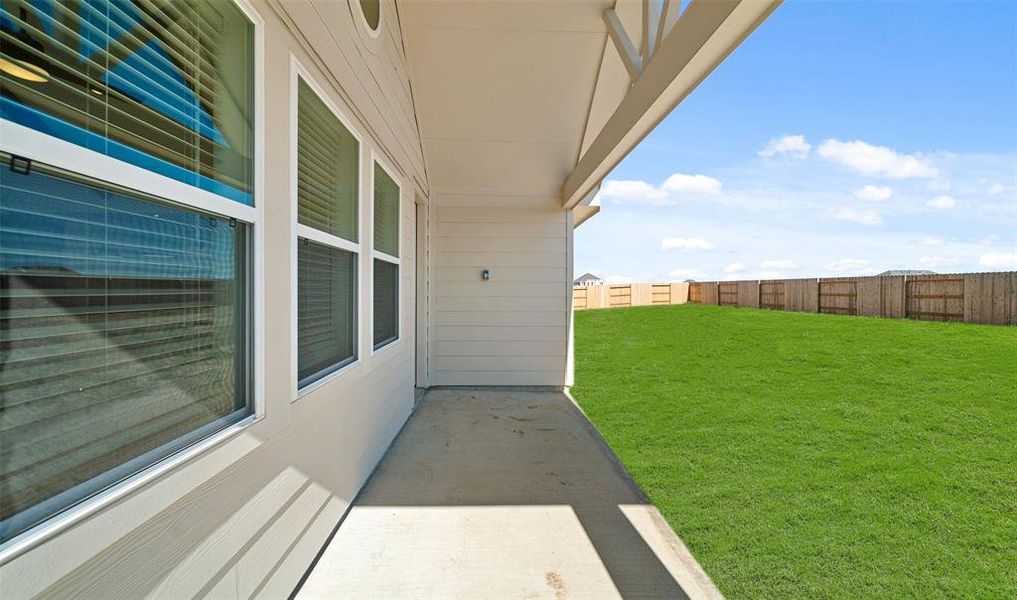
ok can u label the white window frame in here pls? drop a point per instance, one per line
(378, 159)
(45, 149)
(297, 230)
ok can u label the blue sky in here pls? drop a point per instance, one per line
(841, 138)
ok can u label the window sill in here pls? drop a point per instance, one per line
(307, 389)
(107, 498)
(394, 343)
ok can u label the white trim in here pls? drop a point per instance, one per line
(386, 257)
(381, 161)
(43, 148)
(365, 28)
(326, 239)
(50, 150)
(297, 231)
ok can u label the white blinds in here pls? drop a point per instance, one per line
(327, 155)
(326, 310)
(386, 212)
(167, 86)
(386, 302)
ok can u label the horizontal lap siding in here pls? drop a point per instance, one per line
(511, 329)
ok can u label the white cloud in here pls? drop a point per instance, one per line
(791, 145)
(863, 217)
(996, 189)
(942, 202)
(684, 273)
(632, 191)
(617, 279)
(998, 260)
(848, 265)
(931, 241)
(685, 244)
(937, 262)
(877, 160)
(771, 275)
(777, 264)
(990, 239)
(873, 193)
(735, 267)
(679, 183)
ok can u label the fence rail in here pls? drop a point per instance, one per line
(970, 297)
(628, 294)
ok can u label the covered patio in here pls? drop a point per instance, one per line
(500, 493)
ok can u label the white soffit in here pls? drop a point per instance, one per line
(502, 89)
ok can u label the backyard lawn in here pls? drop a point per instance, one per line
(820, 456)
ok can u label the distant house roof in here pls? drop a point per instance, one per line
(587, 277)
(906, 272)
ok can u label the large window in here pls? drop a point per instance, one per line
(386, 258)
(123, 334)
(167, 86)
(328, 159)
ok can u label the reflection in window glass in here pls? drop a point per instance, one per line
(167, 86)
(124, 337)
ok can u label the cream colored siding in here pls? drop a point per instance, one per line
(248, 514)
(510, 330)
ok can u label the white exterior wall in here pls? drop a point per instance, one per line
(247, 513)
(512, 329)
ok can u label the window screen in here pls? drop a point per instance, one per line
(327, 165)
(386, 213)
(123, 335)
(326, 311)
(167, 86)
(386, 266)
(386, 302)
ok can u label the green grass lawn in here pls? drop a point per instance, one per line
(819, 456)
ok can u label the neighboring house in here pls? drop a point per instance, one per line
(240, 236)
(588, 279)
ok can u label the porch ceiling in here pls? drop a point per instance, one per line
(503, 89)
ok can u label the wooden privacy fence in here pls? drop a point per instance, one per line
(969, 297)
(629, 294)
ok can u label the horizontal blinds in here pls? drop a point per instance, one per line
(165, 85)
(386, 302)
(326, 310)
(327, 165)
(123, 332)
(386, 212)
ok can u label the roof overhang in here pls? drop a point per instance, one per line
(544, 98)
(699, 40)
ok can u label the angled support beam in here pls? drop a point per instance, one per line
(623, 43)
(651, 24)
(670, 12)
(708, 31)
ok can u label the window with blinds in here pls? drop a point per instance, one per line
(326, 310)
(123, 336)
(328, 157)
(166, 86)
(386, 258)
(386, 212)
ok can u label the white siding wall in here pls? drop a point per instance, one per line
(247, 515)
(512, 329)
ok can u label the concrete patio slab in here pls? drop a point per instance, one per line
(503, 494)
